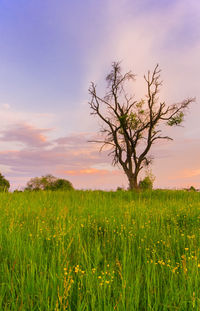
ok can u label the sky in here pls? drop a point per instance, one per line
(50, 51)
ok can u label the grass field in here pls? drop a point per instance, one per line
(100, 251)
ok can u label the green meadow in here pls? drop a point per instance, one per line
(95, 250)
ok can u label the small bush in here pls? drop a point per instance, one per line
(192, 188)
(146, 183)
(120, 189)
(4, 184)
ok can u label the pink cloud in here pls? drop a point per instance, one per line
(192, 173)
(25, 134)
(86, 171)
(70, 156)
(186, 174)
(73, 139)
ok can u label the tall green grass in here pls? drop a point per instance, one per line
(100, 251)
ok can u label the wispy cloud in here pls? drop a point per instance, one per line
(25, 134)
(88, 171)
(67, 156)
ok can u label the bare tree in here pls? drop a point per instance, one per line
(131, 127)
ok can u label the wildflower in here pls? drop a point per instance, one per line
(174, 270)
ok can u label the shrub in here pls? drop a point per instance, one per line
(120, 189)
(146, 183)
(192, 188)
(4, 184)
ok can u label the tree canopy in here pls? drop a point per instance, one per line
(48, 182)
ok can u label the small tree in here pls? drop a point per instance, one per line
(48, 182)
(131, 127)
(61, 184)
(4, 184)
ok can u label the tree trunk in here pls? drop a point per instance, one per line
(133, 184)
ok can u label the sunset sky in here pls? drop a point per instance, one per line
(51, 50)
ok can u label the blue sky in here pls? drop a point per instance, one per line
(50, 51)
